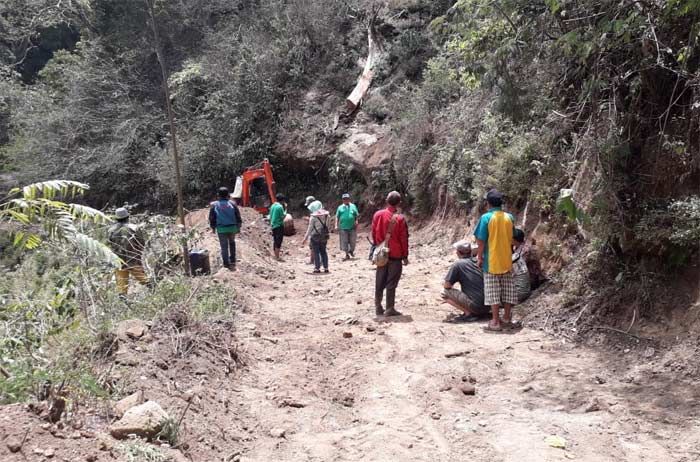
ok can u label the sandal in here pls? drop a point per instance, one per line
(462, 318)
(491, 328)
(512, 324)
(317, 271)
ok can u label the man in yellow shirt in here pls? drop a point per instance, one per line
(494, 235)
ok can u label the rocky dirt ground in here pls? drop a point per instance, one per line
(313, 375)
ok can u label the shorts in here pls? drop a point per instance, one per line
(463, 300)
(499, 289)
(277, 237)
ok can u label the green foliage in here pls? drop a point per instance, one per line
(567, 205)
(38, 204)
(671, 230)
(139, 451)
(170, 433)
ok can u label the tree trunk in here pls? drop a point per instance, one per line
(363, 83)
(171, 120)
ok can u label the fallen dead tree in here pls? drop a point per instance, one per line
(374, 54)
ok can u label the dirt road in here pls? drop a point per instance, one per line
(326, 380)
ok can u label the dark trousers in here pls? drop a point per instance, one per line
(277, 237)
(320, 253)
(227, 241)
(387, 277)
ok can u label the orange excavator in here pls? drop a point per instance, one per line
(256, 187)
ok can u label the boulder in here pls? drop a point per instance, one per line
(145, 420)
(124, 404)
(131, 329)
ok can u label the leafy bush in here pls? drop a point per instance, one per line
(670, 230)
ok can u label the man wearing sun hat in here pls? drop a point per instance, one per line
(346, 224)
(128, 242)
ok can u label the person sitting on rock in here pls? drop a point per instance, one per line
(469, 300)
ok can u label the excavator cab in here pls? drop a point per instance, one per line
(256, 187)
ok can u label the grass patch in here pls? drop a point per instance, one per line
(139, 451)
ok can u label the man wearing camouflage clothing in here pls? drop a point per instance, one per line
(127, 241)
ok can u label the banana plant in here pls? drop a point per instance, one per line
(40, 212)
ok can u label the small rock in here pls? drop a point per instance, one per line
(49, 453)
(358, 301)
(649, 352)
(347, 334)
(278, 432)
(483, 423)
(144, 420)
(370, 328)
(526, 388)
(131, 329)
(446, 388)
(91, 458)
(593, 406)
(435, 415)
(469, 390)
(124, 404)
(14, 446)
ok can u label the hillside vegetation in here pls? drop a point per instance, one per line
(585, 113)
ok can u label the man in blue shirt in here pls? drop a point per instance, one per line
(225, 220)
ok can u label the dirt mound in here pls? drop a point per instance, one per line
(255, 265)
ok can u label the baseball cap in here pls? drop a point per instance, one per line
(346, 196)
(462, 246)
(309, 199)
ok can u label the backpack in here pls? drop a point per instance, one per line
(380, 255)
(320, 236)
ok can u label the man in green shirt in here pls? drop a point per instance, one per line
(277, 213)
(346, 223)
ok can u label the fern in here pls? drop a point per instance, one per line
(41, 204)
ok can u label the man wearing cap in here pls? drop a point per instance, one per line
(127, 241)
(465, 271)
(389, 223)
(494, 235)
(225, 220)
(346, 224)
(276, 216)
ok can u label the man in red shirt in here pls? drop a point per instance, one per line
(388, 276)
